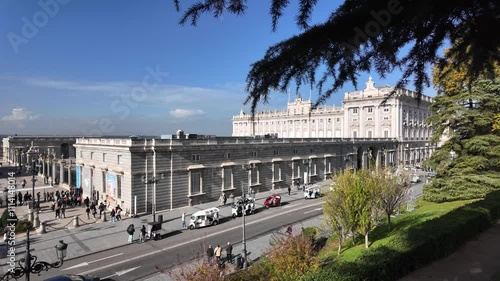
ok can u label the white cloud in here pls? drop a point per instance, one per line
(186, 113)
(19, 114)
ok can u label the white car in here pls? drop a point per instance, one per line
(311, 192)
(415, 179)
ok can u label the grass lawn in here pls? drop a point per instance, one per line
(381, 236)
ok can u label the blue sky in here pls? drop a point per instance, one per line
(123, 67)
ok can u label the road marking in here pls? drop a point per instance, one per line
(120, 273)
(87, 263)
(318, 209)
(189, 242)
(31, 188)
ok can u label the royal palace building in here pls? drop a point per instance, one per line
(272, 151)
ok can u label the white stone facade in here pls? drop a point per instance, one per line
(361, 116)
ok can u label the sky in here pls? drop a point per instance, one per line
(124, 67)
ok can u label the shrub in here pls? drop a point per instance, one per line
(417, 246)
(23, 226)
(6, 216)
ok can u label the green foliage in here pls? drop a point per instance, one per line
(309, 232)
(415, 246)
(344, 44)
(288, 258)
(467, 117)
(23, 226)
(6, 215)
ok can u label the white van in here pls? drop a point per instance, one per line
(204, 218)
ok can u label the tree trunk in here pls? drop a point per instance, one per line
(340, 247)
(366, 240)
(353, 238)
(389, 221)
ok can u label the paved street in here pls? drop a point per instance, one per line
(146, 259)
(93, 238)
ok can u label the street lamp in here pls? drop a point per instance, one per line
(244, 240)
(153, 180)
(31, 263)
(32, 153)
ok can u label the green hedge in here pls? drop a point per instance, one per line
(416, 246)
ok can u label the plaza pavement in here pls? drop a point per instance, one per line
(95, 236)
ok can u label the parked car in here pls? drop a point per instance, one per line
(415, 179)
(204, 218)
(248, 204)
(312, 192)
(272, 201)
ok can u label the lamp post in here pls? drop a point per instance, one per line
(30, 264)
(153, 180)
(244, 241)
(32, 153)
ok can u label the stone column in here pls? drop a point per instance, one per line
(378, 160)
(364, 159)
(53, 170)
(69, 175)
(61, 172)
(43, 168)
(386, 159)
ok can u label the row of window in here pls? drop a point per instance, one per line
(104, 157)
(254, 154)
(329, 120)
(369, 134)
(369, 109)
(196, 176)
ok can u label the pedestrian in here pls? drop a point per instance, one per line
(58, 213)
(183, 220)
(218, 253)
(88, 212)
(130, 231)
(118, 211)
(224, 199)
(113, 213)
(63, 211)
(142, 234)
(210, 253)
(86, 202)
(289, 190)
(221, 199)
(229, 252)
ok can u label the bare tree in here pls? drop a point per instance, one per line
(392, 192)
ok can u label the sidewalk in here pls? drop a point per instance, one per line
(91, 238)
(255, 247)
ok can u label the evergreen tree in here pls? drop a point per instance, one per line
(468, 162)
(361, 35)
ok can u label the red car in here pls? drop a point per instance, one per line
(273, 201)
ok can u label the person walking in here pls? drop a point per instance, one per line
(289, 190)
(210, 253)
(113, 213)
(130, 231)
(218, 253)
(183, 220)
(118, 214)
(229, 252)
(88, 212)
(142, 234)
(58, 213)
